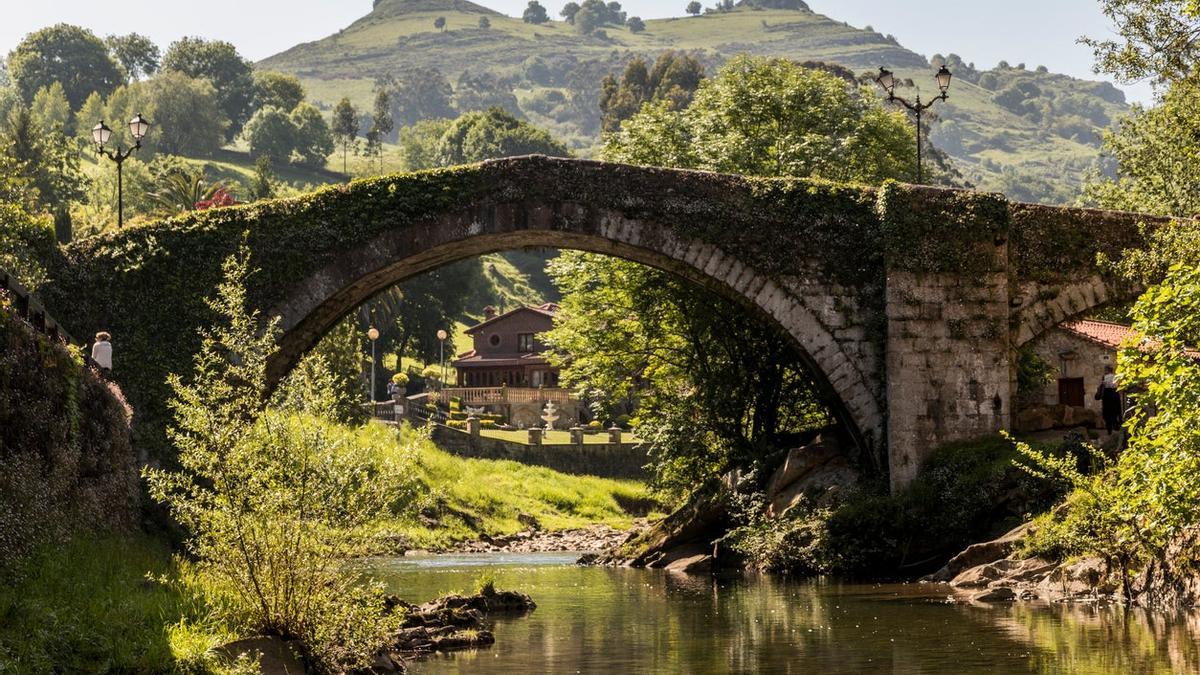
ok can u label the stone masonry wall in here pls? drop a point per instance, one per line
(606, 460)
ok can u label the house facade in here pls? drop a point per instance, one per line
(507, 372)
(1079, 354)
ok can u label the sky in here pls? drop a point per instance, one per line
(1034, 32)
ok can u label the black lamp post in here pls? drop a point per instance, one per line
(887, 80)
(138, 127)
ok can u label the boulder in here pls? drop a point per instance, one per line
(817, 470)
(995, 595)
(275, 655)
(700, 563)
(980, 554)
(1034, 419)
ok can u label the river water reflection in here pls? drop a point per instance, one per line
(602, 620)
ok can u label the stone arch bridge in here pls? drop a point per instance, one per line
(907, 303)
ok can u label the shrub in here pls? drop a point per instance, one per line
(274, 503)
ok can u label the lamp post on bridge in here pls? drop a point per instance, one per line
(138, 127)
(887, 80)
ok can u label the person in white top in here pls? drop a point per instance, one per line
(102, 351)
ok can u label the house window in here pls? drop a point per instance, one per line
(525, 342)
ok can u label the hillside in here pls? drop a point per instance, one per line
(1029, 133)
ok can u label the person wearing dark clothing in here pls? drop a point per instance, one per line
(1110, 402)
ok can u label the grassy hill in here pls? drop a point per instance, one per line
(1036, 147)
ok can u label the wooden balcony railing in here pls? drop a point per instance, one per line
(484, 395)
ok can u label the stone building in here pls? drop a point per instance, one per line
(1078, 353)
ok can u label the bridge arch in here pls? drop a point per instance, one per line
(314, 304)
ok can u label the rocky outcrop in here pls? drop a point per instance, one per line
(690, 540)
(976, 555)
(453, 622)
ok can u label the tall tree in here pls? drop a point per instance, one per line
(314, 141)
(220, 63)
(418, 94)
(673, 79)
(281, 90)
(476, 136)
(535, 13)
(51, 110)
(67, 54)
(271, 134)
(381, 125)
(1156, 39)
(186, 112)
(138, 55)
(440, 23)
(694, 8)
(345, 127)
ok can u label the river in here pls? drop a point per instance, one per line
(604, 620)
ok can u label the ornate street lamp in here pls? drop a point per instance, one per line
(373, 334)
(887, 80)
(138, 128)
(441, 336)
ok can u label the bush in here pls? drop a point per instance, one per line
(488, 424)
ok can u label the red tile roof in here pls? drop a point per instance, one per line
(1108, 334)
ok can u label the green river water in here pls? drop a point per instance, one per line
(603, 620)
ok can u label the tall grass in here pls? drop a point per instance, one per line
(104, 605)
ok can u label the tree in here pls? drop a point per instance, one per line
(381, 125)
(635, 24)
(440, 23)
(772, 117)
(137, 55)
(535, 13)
(419, 143)
(180, 188)
(314, 141)
(694, 8)
(274, 504)
(186, 113)
(477, 136)
(91, 112)
(482, 90)
(281, 90)
(219, 63)
(271, 134)
(674, 78)
(45, 161)
(569, 11)
(345, 126)
(1157, 39)
(485, 22)
(418, 94)
(69, 55)
(263, 186)
(50, 108)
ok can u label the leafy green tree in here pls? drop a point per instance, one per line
(91, 112)
(1149, 147)
(44, 159)
(535, 13)
(569, 11)
(476, 136)
(345, 126)
(263, 186)
(26, 239)
(419, 143)
(1156, 39)
(482, 90)
(673, 79)
(50, 108)
(418, 94)
(179, 188)
(186, 113)
(313, 139)
(440, 23)
(137, 54)
(69, 55)
(281, 90)
(220, 63)
(485, 23)
(381, 125)
(772, 117)
(694, 8)
(635, 24)
(274, 504)
(271, 134)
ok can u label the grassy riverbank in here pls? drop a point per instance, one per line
(467, 498)
(115, 604)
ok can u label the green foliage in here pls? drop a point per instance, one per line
(120, 603)
(327, 383)
(230, 74)
(69, 55)
(418, 94)
(1149, 146)
(50, 109)
(1033, 374)
(281, 90)
(965, 492)
(271, 134)
(1155, 39)
(43, 160)
(345, 125)
(313, 140)
(186, 112)
(673, 80)
(26, 241)
(274, 504)
(941, 231)
(831, 130)
(179, 188)
(535, 13)
(137, 55)
(495, 133)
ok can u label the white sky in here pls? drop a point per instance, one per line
(1036, 32)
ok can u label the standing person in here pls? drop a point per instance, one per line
(1110, 401)
(102, 352)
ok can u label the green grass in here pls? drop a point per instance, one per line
(470, 497)
(98, 605)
